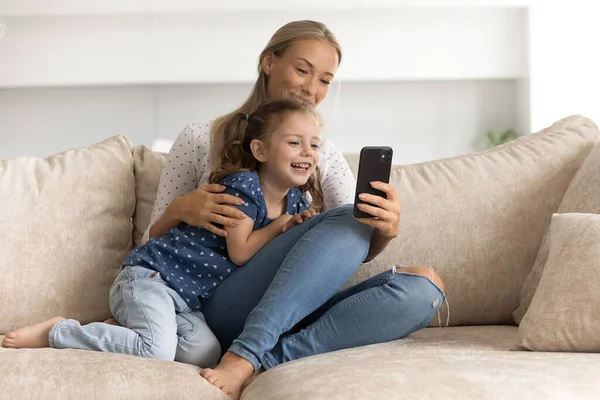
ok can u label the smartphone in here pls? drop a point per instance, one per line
(375, 164)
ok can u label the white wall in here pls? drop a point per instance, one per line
(40, 122)
(426, 80)
(223, 46)
(564, 62)
(421, 120)
(111, 7)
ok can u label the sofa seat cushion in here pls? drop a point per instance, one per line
(454, 363)
(77, 374)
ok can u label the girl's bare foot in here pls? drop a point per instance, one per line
(110, 321)
(32, 336)
(230, 374)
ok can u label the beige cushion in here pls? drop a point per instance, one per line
(66, 227)
(52, 374)
(479, 219)
(353, 159)
(583, 196)
(563, 315)
(147, 166)
(459, 363)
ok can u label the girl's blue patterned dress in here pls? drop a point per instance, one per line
(194, 261)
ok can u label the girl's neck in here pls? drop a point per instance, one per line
(275, 195)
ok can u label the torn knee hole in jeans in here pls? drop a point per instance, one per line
(435, 302)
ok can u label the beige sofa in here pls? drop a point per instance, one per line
(67, 221)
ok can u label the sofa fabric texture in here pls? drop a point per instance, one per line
(563, 315)
(583, 196)
(481, 220)
(65, 229)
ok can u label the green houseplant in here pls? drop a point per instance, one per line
(496, 138)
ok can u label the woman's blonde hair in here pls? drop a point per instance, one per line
(228, 128)
(259, 125)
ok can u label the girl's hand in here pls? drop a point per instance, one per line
(298, 219)
(208, 205)
(387, 211)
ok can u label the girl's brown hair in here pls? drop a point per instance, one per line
(228, 128)
(259, 125)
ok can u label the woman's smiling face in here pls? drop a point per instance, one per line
(305, 70)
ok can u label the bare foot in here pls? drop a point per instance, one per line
(230, 375)
(32, 336)
(110, 321)
(251, 378)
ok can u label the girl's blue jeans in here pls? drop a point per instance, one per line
(153, 322)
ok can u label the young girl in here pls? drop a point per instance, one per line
(170, 276)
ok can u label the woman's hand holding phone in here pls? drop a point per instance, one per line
(376, 202)
(385, 210)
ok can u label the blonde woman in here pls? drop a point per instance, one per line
(284, 304)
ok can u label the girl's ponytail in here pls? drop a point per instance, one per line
(236, 156)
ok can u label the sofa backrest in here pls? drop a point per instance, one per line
(477, 219)
(68, 221)
(147, 168)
